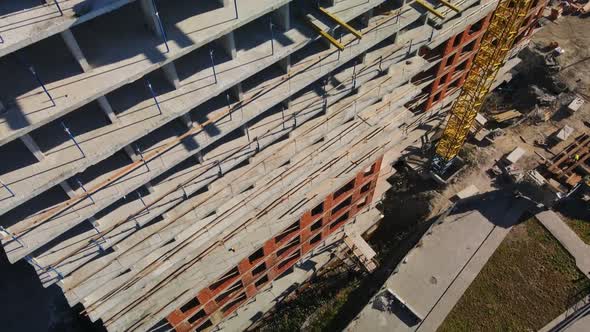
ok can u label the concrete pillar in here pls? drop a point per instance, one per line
(32, 146)
(149, 187)
(131, 153)
(149, 13)
(282, 17)
(366, 18)
(228, 42)
(237, 91)
(66, 187)
(285, 63)
(224, 3)
(105, 106)
(75, 49)
(363, 58)
(186, 120)
(171, 74)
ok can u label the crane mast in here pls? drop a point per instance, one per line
(495, 45)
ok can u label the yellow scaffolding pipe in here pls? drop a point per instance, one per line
(430, 8)
(450, 5)
(345, 25)
(326, 35)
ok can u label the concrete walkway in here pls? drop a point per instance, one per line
(568, 239)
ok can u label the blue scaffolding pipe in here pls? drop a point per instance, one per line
(213, 65)
(14, 237)
(84, 190)
(34, 72)
(73, 138)
(58, 8)
(161, 26)
(7, 188)
(138, 151)
(147, 208)
(149, 85)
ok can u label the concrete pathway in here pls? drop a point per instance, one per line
(568, 239)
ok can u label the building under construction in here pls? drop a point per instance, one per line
(182, 165)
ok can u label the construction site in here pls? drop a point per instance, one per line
(189, 166)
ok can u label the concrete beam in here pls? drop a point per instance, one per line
(105, 106)
(171, 74)
(75, 49)
(282, 17)
(149, 13)
(228, 42)
(32, 146)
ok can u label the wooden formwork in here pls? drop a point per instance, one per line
(571, 165)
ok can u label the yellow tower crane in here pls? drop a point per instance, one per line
(495, 44)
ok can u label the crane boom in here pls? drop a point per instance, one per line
(495, 44)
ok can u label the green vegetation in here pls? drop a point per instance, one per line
(527, 282)
(581, 227)
(315, 307)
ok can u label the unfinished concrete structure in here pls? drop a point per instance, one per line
(181, 166)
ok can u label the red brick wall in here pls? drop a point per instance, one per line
(276, 256)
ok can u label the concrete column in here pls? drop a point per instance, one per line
(199, 157)
(105, 106)
(186, 120)
(282, 18)
(228, 42)
(224, 3)
(75, 49)
(237, 91)
(363, 58)
(66, 187)
(171, 74)
(149, 187)
(32, 146)
(149, 13)
(285, 63)
(131, 153)
(366, 18)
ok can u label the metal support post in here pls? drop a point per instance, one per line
(73, 138)
(1, 40)
(149, 85)
(272, 38)
(283, 115)
(229, 108)
(147, 208)
(236, 7)
(354, 75)
(7, 188)
(59, 275)
(294, 119)
(161, 26)
(410, 47)
(380, 63)
(61, 13)
(247, 132)
(257, 144)
(99, 233)
(14, 237)
(138, 151)
(84, 190)
(34, 72)
(184, 194)
(213, 65)
(220, 172)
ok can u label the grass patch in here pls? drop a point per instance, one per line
(315, 307)
(581, 227)
(527, 282)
